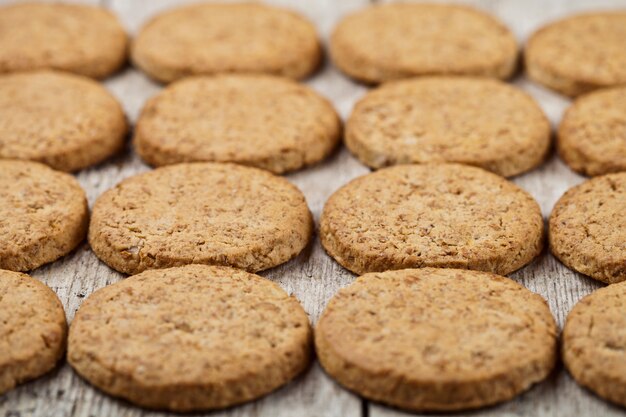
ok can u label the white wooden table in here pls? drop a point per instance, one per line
(314, 277)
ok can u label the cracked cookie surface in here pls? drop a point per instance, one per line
(475, 121)
(438, 215)
(62, 120)
(32, 329)
(267, 122)
(400, 40)
(226, 38)
(592, 133)
(579, 53)
(205, 213)
(436, 339)
(594, 342)
(76, 38)
(190, 338)
(43, 214)
(588, 228)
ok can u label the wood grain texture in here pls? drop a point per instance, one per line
(313, 277)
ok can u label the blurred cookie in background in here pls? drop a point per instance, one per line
(268, 122)
(224, 38)
(82, 39)
(579, 53)
(592, 133)
(401, 40)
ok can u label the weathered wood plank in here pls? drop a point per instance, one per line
(313, 277)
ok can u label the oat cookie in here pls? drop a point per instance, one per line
(190, 338)
(588, 228)
(436, 339)
(205, 213)
(579, 53)
(439, 215)
(401, 40)
(268, 122)
(81, 39)
(475, 121)
(63, 120)
(221, 38)
(43, 215)
(592, 134)
(32, 329)
(594, 344)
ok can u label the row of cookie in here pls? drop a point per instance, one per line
(70, 122)
(202, 337)
(377, 44)
(437, 215)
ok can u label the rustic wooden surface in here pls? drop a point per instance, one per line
(314, 277)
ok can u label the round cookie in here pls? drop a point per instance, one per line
(594, 343)
(196, 337)
(392, 41)
(268, 122)
(220, 38)
(32, 329)
(202, 213)
(65, 121)
(436, 339)
(437, 215)
(475, 121)
(579, 53)
(588, 228)
(592, 134)
(76, 38)
(43, 215)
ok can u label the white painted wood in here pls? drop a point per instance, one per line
(313, 277)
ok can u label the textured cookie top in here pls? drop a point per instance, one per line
(449, 119)
(592, 134)
(218, 38)
(43, 214)
(208, 213)
(580, 53)
(65, 121)
(400, 40)
(443, 215)
(189, 338)
(439, 339)
(594, 342)
(268, 122)
(588, 228)
(32, 329)
(76, 38)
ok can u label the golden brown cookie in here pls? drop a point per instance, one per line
(594, 343)
(221, 38)
(63, 120)
(436, 339)
(268, 122)
(438, 215)
(43, 215)
(401, 40)
(475, 121)
(588, 228)
(592, 134)
(579, 53)
(32, 329)
(190, 338)
(203, 213)
(81, 39)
